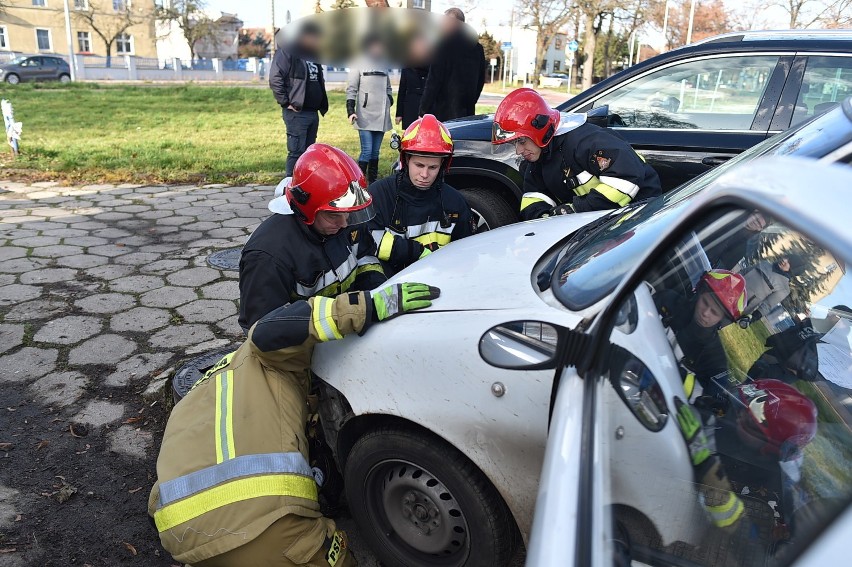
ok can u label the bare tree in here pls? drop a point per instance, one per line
(803, 13)
(189, 16)
(593, 14)
(546, 18)
(838, 14)
(112, 21)
(3, 5)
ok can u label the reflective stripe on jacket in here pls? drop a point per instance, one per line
(234, 456)
(590, 168)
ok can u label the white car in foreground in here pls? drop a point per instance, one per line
(439, 420)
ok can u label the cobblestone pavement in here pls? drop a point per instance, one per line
(103, 290)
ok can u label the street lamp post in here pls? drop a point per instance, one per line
(72, 62)
(666, 25)
(691, 20)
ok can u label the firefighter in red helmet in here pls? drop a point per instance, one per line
(569, 165)
(316, 243)
(416, 211)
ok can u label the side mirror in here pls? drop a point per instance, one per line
(521, 345)
(599, 116)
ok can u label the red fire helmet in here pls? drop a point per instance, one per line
(524, 114)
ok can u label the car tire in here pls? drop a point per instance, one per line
(401, 483)
(13, 79)
(63, 78)
(490, 210)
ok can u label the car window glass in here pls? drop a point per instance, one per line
(48, 62)
(725, 425)
(827, 81)
(720, 93)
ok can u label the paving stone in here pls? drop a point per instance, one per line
(221, 290)
(207, 310)
(138, 258)
(92, 225)
(156, 214)
(99, 412)
(181, 236)
(171, 206)
(163, 230)
(211, 243)
(11, 336)
(109, 250)
(201, 226)
(106, 303)
(113, 203)
(178, 336)
(219, 216)
(103, 349)
(163, 267)
(207, 346)
(231, 327)
(59, 389)
(240, 222)
(27, 363)
(175, 221)
(140, 319)
(131, 441)
(226, 233)
(64, 232)
(256, 213)
(81, 261)
(136, 284)
(17, 232)
(137, 366)
(36, 241)
(131, 208)
(16, 293)
(74, 289)
(111, 233)
(68, 330)
(133, 224)
(152, 190)
(14, 220)
(168, 297)
(9, 252)
(109, 271)
(34, 310)
(86, 241)
(113, 216)
(193, 277)
(6, 279)
(56, 251)
(48, 275)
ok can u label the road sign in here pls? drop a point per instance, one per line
(573, 45)
(493, 62)
(507, 45)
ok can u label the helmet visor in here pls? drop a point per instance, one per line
(501, 136)
(356, 201)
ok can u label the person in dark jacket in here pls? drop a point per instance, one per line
(297, 82)
(317, 244)
(457, 73)
(791, 355)
(416, 212)
(412, 82)
(569, 165)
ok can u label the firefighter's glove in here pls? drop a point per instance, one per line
(425, 253)
(395, 300)
(564, 209)
(700, 446)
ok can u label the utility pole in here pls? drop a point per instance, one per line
(72, 62)
(691, 20)
(272, 49)
(666, 25)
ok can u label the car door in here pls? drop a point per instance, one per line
(49, 69)
(818, 82)
(30, 69)
(691, 115)
(718, 443)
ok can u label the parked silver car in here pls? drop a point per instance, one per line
(35, 68)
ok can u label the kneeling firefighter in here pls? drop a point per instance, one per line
(570, 166)
(234, 485)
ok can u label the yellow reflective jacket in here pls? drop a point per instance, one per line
(234, 457)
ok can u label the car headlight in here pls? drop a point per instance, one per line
(642, 394)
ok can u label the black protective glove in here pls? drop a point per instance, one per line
(563, 209)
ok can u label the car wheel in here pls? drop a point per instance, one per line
(489, 209)
(64, 78)
(13, 79)
(420, 503)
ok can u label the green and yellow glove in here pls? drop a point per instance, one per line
(396, 300)
(701, 447)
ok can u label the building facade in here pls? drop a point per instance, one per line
(221, 43)
(309, 7)
(521, 60)
(38, 26)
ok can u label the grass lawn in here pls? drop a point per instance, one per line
(90, 133)
(744, 346)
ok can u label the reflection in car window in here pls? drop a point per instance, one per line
(710, 94)
(594, 268)
(827, 81)
(732, 393)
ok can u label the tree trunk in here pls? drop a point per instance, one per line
(108, 54)
(589, 43)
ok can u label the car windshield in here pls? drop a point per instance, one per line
(17, 60)
(594, 267)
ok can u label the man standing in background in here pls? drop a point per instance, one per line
(457, 73)
(298, 84)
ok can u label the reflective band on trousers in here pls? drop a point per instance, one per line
(323, 318)
(239, 490)
(225, 416)
(728, 513)
(535, 197)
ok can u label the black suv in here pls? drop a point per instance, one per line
(685, 111)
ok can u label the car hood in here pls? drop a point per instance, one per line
(471, 128)
(493, 270)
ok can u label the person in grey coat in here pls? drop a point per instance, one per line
(298, 85)
(768, 284)
(368, 100)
